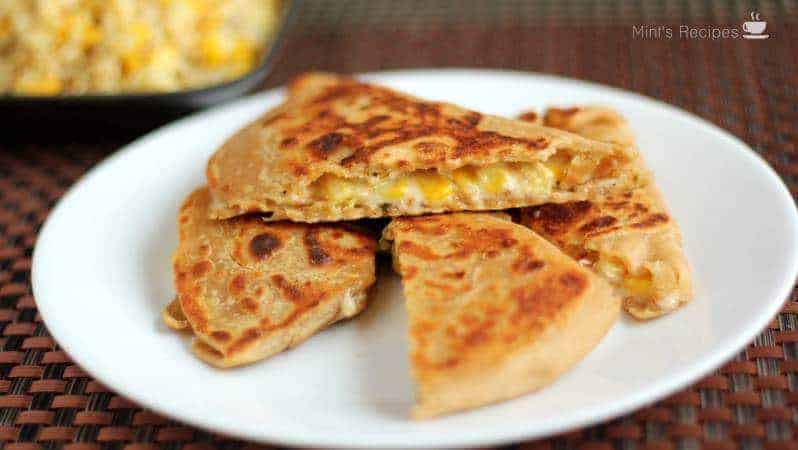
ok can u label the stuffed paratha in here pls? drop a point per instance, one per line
(250, 289)
(494, 310)
(340, 149)
(629, 238)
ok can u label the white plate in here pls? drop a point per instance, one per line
(101, 274)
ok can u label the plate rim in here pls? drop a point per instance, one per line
(585, 417)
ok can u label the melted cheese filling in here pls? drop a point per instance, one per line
(639, 285)
(432, 187)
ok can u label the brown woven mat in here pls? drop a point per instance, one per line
(747, 87)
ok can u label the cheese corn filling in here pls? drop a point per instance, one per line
(635, 285)
(431, 187)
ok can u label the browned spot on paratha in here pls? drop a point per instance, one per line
(556, 217)
(409, 272)
(221, 336)
(529, 116)
(288, 142)
(543, 301)
(248, 337)
(263, 245)
(457, 275)
(558, 117)
(651, 220)
(418, 250)
(316, 252)
(326, 144)
(288, 290)
(249, 304)
(526, 263)
(201, 268)
(597, 224)
(238, 284)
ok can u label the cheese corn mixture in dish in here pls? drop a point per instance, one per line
(52, 47)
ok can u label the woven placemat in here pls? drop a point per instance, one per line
(746, 87)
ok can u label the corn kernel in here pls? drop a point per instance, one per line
(165, 56)
(213, 51)
(434, 186)
(640, 286)
(242, 58)
(39, 85)
(465, 178)
(537, 177)
(493, 179)
(141, 34)
(132, 62)
(5, 27)
(91, 36)
(558, 164)
(394, 190)
(337, 189)
(62, 33)
(612, 270)
(199, 5)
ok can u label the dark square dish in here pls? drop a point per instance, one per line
(133, 111)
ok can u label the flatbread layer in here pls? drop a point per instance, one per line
(494, 310)
(251, 289)
(629, 238)
(340, 149)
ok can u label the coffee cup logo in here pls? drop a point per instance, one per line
(755, 27)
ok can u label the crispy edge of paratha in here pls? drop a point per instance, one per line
(597, 122)
(173, 317)
(565, 313)
(245, 268)
(284, 339)
(270, 162)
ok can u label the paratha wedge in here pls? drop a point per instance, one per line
(340, 149)
(494, 310)
(629, 238)
(251, 289)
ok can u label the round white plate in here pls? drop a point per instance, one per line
(101, 274)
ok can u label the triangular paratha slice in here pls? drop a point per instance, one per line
(340, 149)
(251, 289)
(494, 310)
(629, 238)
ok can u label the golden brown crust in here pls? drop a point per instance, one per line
(336, 125)
(250, 289)
(633, 228)
(173, 316)
(494, 310)
(593, 122)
